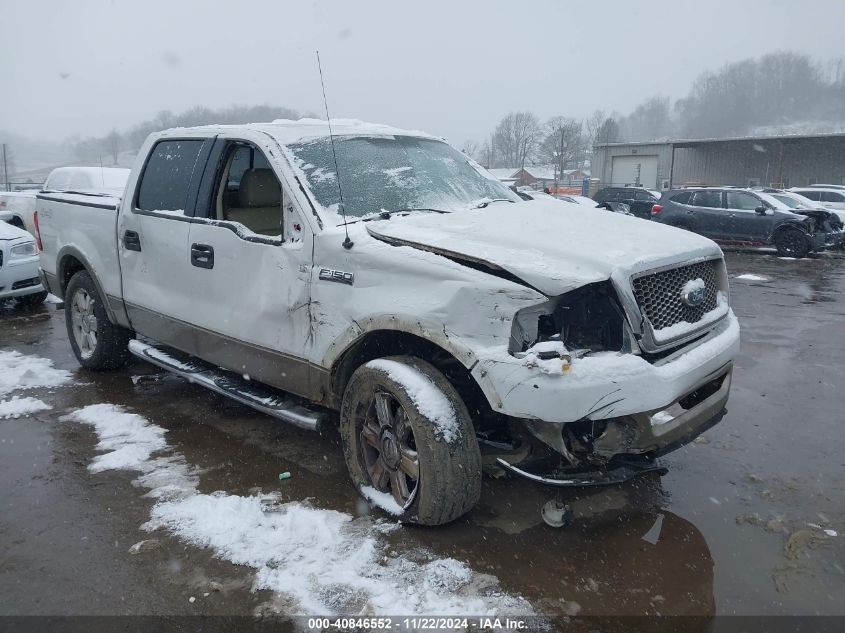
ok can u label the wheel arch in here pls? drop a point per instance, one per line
(69, 262)
(378, 343)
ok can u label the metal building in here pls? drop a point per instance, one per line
(781, 161)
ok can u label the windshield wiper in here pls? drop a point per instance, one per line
(389, 213)
(386, 215)
(482, 205)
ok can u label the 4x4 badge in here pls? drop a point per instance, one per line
(337, 275)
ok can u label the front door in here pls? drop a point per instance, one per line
(250, 268)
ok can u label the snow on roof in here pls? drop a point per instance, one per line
(540, 172)
(504, 173)
(287, 131)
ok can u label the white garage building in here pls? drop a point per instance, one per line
(784, 161)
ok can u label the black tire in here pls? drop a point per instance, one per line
(792, 243)
(34, 299)
(16, 221)
(108, 348)
(448, 464)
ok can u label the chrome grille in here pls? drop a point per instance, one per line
(659, 294)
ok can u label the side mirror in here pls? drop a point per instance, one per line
(761, 210)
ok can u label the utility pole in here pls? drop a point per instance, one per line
(5, 169)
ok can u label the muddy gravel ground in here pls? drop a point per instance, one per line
(749, 519)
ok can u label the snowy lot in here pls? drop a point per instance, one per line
(137, 493)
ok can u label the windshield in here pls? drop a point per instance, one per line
(795, 201)
(391, 173)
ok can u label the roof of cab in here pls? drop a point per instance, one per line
(287, 131)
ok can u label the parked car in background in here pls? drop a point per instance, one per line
(16, 208)
(743, 216)
(638, 199)
(526, 193)
(19, 278)
(830, 197)
(104, 180)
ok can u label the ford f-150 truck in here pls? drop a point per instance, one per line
(380, 280)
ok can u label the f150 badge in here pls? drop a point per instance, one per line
(337, 275)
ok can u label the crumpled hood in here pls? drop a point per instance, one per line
(552, 245)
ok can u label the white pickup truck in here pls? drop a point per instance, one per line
(414, 300)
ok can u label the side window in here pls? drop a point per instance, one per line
(249, 192)
(682, 198)
(742, 200)
(167, 175)
(711, 199)
(812, 195)
(643, 195)
(832, 196)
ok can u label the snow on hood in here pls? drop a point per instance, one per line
(553, 247)
(9, 232)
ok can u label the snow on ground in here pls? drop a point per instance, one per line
(18, 371)
(17, 407)
(431, 402)
(383, 500)
(328, 561)
(750, 277)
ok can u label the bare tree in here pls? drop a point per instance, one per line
(516, 138)
(471, 149)
(562, 143)
(112, 143)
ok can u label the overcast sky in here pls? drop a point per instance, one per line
(449, 67)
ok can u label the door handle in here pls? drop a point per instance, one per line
(202, 255)
(132, 241)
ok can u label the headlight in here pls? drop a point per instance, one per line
(27, 249)
(589, 318)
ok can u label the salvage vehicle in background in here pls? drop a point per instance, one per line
(408, 290)
(638, 200)
(731, 215)
(19, 277)
(19, 206)
(830, 197)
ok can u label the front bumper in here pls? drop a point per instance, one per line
(19, 278)
(607, 385)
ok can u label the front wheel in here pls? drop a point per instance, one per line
(97, 343)
(792, 243)
(409, 441)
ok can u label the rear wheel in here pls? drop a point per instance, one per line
(792, 243)
(409, 442)
(97, 343)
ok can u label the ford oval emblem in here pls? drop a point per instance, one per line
(694, 297)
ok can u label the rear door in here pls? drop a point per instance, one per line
(249, 265)
(152, 234)
(745, 223)
(710, 216)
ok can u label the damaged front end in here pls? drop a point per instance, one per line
(618, 421)
(617, 449)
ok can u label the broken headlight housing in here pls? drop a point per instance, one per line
(588, 318)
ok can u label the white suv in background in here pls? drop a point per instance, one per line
(829, 197)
